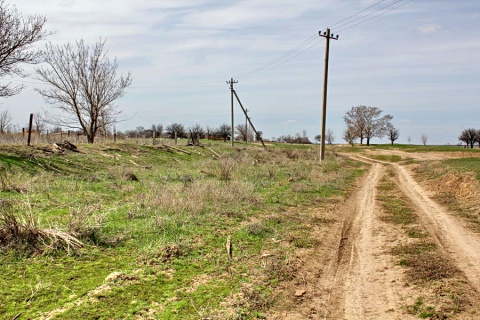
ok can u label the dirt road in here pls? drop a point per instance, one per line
(354, 275)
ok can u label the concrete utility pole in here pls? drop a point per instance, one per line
(231, 82)
(327, 36)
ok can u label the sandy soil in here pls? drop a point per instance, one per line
(352, 274)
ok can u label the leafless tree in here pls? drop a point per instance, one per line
(224, 131)
(209, 132)
(159, 130)
(176, 129)
(367, 122)
(393, 133)
(355, 121)
(478, 138)
(424, 139)
(18, 34)
(409, 139)
(83, 87)
(329, 137)
(196, 132)
(469, 136)
(242, 131)
(350, 135)
(39, 123)
(5, 120)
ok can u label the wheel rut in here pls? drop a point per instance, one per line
(355, 275)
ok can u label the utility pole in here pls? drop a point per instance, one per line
(249, 120)
(231, 82)
(246, 125)
(327, 36)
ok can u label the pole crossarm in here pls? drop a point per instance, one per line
(327, 34)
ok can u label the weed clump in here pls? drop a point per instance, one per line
(22, 232)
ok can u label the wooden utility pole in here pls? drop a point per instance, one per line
(327, 36)
(231, 82)
(249, 121)
(30, 125)
(246, 125)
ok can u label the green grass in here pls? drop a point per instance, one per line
(165, 231)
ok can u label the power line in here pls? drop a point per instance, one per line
(287, 56)
(356, 14)
(344, 24)
(348, 25)
(279, 58)
(285, 61)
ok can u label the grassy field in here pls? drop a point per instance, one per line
(136, 231)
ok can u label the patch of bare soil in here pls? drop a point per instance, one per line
(459, 243)
(353, 273)
(460, 192)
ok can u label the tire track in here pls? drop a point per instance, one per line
(362, 286)
(461, 244)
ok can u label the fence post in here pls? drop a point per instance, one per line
(30, 129)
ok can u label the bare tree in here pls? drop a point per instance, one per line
(355, 121)
(209, 132)
(159, 130)
(409, 139)
(5, 120)
(176, 129)
(242, 131)
(393, 133)
(478, 138)
(350, 135)
(329, 137)
(18, 34)
(196, 133)
(367, 122)
(424, 139)
(224, 131)
(39, 123)
(469, 136)
(83, 87)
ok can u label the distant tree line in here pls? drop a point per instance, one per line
(178, 130)
(470, 136)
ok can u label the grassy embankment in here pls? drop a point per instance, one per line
(153, 224)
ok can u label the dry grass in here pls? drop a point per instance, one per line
(23, 231)
(86, 222)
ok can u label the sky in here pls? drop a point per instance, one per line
(416, 60)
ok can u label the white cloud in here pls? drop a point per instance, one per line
(429, 28)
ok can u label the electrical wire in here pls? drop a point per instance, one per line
(285, 61)
(304, 46)
(381, 14)
(279, 58)
(356, 14)
(349, 24)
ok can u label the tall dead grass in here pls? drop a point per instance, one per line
(23, 231)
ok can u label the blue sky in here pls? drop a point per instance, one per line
(418, 62)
